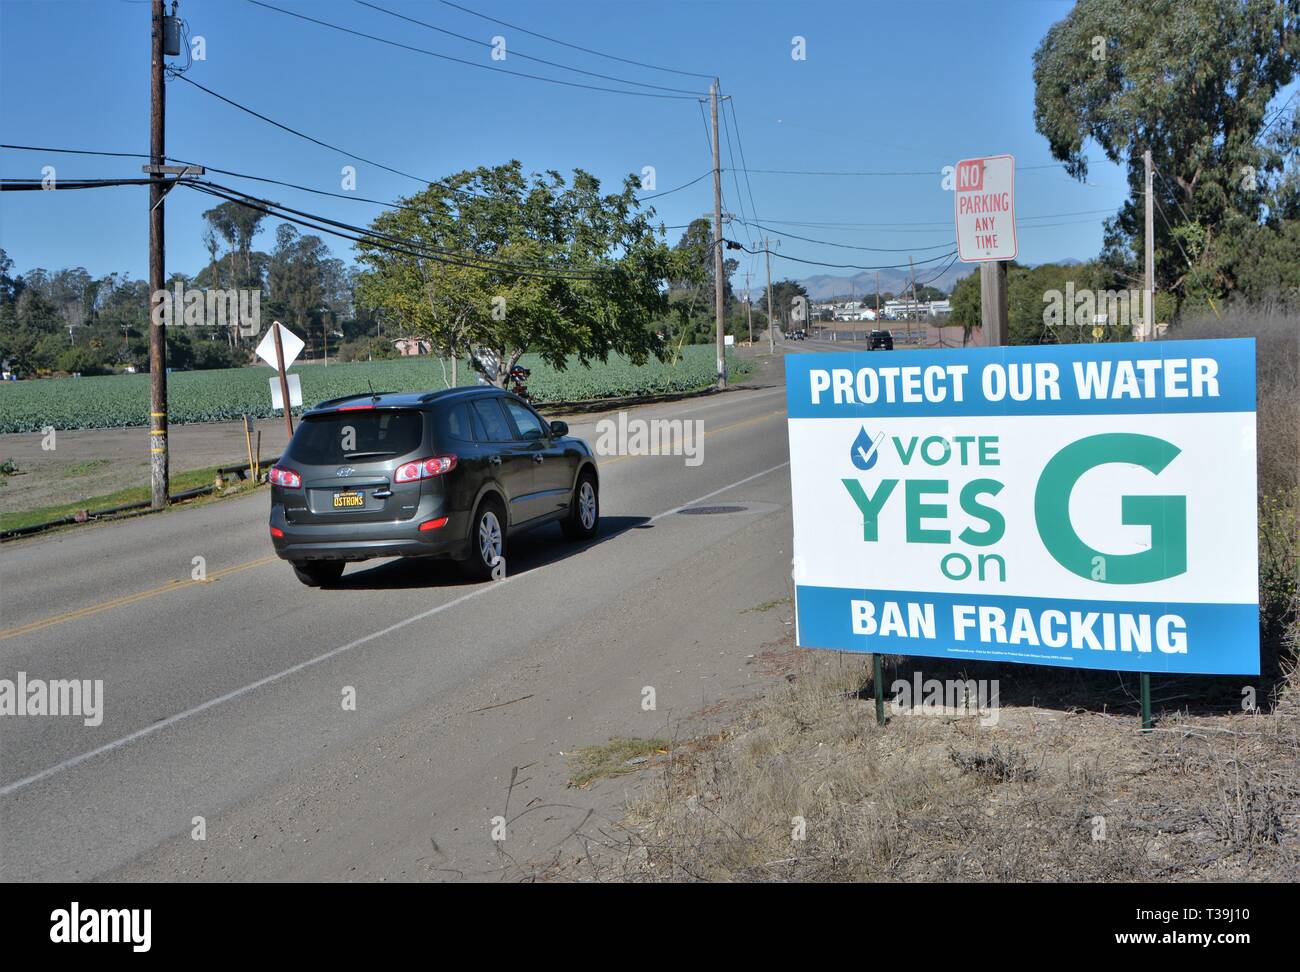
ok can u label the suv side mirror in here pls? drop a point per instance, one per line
(559, 429)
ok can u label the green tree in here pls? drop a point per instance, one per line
(301, 281)
(1192, 81)
(783, 294)
(596, 279)
(966, 308)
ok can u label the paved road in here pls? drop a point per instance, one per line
(223, 697)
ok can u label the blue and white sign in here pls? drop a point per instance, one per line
(1091, 506)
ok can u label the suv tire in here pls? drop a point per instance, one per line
(487, 533)
(320, 573)
(584, 509)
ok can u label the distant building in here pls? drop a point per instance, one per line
(902, 310)
(852, 310)
(409, 347)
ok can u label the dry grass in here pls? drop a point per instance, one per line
(614, 758)
(1042, 796)
(1277, 374)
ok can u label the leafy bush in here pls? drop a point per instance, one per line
(78, 360)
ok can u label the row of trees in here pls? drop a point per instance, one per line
(1191, 81)
(69, 321)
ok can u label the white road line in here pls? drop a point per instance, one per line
(172, 720)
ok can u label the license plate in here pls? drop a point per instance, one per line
(349, 499)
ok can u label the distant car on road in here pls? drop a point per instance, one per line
(449, 474)
(795, 335)
(881, 341)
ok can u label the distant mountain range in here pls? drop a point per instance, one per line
(824, 286)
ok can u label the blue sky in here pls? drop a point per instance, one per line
(885, 87)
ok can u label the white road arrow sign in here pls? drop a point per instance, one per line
(291, 343)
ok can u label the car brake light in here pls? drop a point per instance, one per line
(353, 408)
(409, 472)
(284, 477)
(277, 532)
(433, 524)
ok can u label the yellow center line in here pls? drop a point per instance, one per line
(726, 428)
(126, 599)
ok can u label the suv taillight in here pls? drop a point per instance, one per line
(284, 477)
(409, 472)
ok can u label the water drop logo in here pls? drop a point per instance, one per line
(865, 450)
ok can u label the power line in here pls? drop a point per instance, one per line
(461, 60)
(708, 135)
(514, 53)
(64, 151)
(937, 223)
(383, 242)
(731, 157)
(576, 47)
(933, 277)
(904, 172)
(843, 266)
(753, 208)
(304, 135)
(684, 185)
(351, 197)
(25, 185)
(850, 246)
(370, 233)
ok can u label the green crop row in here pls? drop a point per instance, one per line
(112, 401)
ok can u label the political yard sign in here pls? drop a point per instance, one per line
(1090, 506)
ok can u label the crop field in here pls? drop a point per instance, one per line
(114, 401)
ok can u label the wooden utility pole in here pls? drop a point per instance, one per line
(771, 324)
(158, 468)
(916, 308)
(749, 309)
(1149, 312)
(718, 302)
(284, 379)
(993, 302)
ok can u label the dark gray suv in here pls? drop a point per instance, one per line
(451, 474)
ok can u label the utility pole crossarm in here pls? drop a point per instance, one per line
(176, 170)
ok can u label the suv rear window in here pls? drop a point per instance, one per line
(494, 422)
(365, 436)
(456, 423)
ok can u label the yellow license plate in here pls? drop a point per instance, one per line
(349, 500)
